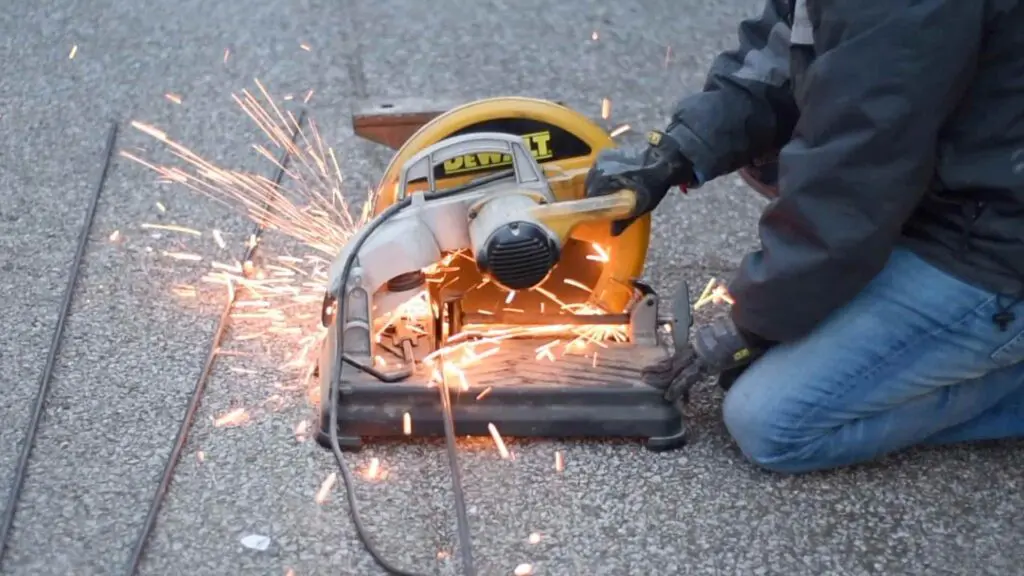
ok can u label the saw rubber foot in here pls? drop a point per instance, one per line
(346, 443)
(666, 443)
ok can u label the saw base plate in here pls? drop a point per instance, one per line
(573, 396)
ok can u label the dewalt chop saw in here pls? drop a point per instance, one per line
(486, 272)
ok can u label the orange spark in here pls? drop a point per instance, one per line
(236, 417)
(301, 430)
(183, 256)
(151, 131)
(325, 488)
(498, 441)
(606, 108)
(172, 228)
(601, 256)
(619, 131)
(74, 51)
(577, 284)
(721, 294)
(463, 382)
(173, 97)
(713, 293)
(373, 470)
(707, 289)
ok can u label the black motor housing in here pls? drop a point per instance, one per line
(518, 255)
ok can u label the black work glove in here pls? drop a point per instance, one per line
(719, 349)
(649, 171)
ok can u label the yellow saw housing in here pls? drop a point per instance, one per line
(595, 267)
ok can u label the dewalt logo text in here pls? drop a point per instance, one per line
(539, 144)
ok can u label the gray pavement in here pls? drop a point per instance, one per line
(133, 350)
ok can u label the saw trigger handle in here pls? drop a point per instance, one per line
(563, 217)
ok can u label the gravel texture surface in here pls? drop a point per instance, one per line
(132, 351)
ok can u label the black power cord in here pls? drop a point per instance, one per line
(332, 426)
(449, 428)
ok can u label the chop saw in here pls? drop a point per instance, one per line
(487, 272)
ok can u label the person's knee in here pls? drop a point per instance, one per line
(768, 435)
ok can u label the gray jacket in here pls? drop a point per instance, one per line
(895, 122)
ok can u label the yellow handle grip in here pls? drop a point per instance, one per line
(562, 217)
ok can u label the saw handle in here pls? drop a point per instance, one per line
(562, 217)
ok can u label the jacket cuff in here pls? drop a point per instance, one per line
(696, 151)
(749, 332)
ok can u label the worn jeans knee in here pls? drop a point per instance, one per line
(759, 433)
(896, 367)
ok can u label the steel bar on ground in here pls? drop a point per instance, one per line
(51, 359)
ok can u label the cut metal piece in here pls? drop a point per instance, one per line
(392, 122)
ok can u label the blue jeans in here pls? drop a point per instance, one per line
(914, 359)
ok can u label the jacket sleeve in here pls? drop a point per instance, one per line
(746, 107)
(887, 75)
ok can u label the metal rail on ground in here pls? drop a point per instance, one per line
(21, 471)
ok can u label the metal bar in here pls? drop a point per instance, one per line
(392, 122)
(461, 515)
(51, 357)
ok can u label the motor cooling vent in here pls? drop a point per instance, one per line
(518, 256)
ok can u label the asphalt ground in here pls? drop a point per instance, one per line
(133, 350)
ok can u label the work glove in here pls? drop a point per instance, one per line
(719, 349)
(650, 171)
